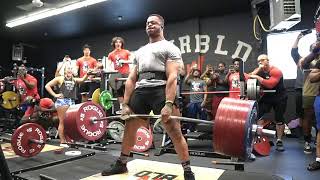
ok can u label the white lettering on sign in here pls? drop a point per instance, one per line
(200, 43)
(238, 50)
(185, 44)
(219, 45)
(202, 46)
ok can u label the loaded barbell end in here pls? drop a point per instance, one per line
(258, 129)
(37, 141)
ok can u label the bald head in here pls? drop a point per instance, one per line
(262, 57)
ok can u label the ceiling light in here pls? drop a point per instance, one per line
(50, 12)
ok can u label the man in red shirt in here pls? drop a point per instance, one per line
(270, 77)
(42, 109)
(116, 56)
(83, 65)
(30, 83)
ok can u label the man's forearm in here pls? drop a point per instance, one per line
(255, 72)
(307, 60)
(171, 87)
(129, 88)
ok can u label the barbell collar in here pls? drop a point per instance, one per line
(268, 132)
(259, 130)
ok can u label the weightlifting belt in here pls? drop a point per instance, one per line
(148, 75)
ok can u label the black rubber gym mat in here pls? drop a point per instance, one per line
(48, 158)
(227, 175)
(92, 166)
(77, 169)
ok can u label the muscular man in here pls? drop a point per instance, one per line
(31, 87)
(271, 77)
(65, 97)
(151, 85)
(83, 65)
(117, 55)
(309, 93)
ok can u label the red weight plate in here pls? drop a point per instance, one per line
(20, 140)
(232, 128)
(262, 146)
(143, 140)
(78, 124)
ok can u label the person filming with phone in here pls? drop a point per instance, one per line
(233, 78)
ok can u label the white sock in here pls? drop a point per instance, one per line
(318, 159)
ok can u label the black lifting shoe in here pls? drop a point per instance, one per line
(314, 166)
(117, 168)
(188, 175)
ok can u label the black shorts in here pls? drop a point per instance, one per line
(89, 87)
(119, 92)
(279, 106)
(299, 108)
(84, 88)
(143, 100)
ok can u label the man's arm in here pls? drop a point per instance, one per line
(77, 67)
(294, 51)
(275, 76)
(85, 77)
(205, 96)
(171, 86)
(256, 71)
(305, 61)
(30, 83)
(187, 78)
(314, 75)
(130, 85)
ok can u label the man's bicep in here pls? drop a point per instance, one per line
(172, 66)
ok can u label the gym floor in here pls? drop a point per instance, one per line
(290, 164)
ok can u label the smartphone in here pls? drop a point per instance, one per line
(305, 32)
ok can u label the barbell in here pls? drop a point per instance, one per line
(233, 126)
(253, 91)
